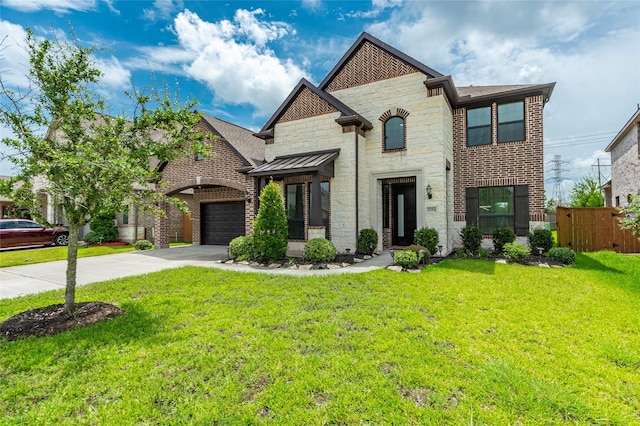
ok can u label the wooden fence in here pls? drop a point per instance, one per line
(593, 229)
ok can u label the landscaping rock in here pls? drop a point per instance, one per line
(503, 261)
(414, 271)
(274, 265)
(357, 260)
(395, 268)
(544, 265)
(366, 257)
(230, 262)
(333, 266)
(344, 264)
(305, 267)
(293, 267)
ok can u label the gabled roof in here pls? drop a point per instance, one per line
(634, 120)
(240, 140)
(344, 110)
(469, 95)
(366, 37)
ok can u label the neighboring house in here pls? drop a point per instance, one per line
(388, 143)
(625, 164)
(6, 204)
(222, 198)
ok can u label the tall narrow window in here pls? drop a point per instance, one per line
(511, 122)
(324, 199)
(125, 216)
(295, 211)
(479, 126)
(394, 133)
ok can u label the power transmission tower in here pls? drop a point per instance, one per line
(558, 192)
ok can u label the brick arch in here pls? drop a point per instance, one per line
(204, 181)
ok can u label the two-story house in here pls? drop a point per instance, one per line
(625, 164)
(388, 143)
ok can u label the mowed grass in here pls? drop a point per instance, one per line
(19, 257)
(464, 342)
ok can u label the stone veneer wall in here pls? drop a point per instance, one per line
(625, 167)
(512, 163)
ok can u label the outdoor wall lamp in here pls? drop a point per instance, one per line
(429, 192)
(247, 198)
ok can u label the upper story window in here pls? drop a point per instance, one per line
(511, 122)
(479, 126)
(394, 133)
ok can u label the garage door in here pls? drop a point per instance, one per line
(222, 222)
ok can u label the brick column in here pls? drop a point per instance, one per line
(161, 236)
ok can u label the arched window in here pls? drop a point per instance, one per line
(394, 133)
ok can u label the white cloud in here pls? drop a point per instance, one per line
(377, 6)
(14, 62)
(233, 58)
(58, 6)
(163, 9)
(114, 75)
(312, 4)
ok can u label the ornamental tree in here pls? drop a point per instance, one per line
(631, 218)
(270, 228)
(87, 160)
(587, 193)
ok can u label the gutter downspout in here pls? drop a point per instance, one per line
(357, 184)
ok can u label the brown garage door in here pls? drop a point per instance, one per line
(222, 222)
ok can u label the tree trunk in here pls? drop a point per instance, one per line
(72, 264)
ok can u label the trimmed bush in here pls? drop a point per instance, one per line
(515, 251)
(483, 253)
(270, 228)
(367, 241)
(540, 238)
(406, 258)
(427, 237)
(241, 248)
(502, 236)
(319, 250)
(143, 245)
(104, 225)
(471, 238)
(422, 257)
(92, 237)
(563, 255)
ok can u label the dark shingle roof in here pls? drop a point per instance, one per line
(239, 139)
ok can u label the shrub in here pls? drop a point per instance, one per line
(92, 237)
(484, 253)
(406, 258)
(143, 245)
(422, 257)
(319, 250)
(367, 241)
(270, 228)
(515, 251)
(427, 237)
(563, 255)
(241, 248)
(471, 238)
(104, 225)
(501, 236)
(540, 238)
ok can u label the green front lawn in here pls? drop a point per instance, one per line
(464, 342)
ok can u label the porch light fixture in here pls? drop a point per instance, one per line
(429, 192)
(247, 198)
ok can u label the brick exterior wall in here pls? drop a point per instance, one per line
(512, 163)
(625, 167)
(219, 180)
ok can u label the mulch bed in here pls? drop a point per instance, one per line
(53, 319)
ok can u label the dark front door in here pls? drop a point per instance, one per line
(222, 222)
(403, 198)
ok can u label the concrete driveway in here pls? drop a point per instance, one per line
(21, 280)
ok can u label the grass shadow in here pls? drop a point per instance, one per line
(585, 261)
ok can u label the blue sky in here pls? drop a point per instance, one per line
(241, 59)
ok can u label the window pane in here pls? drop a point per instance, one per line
(511, 122)
(479, 126)
(324, 189)
(510, 112)
(479, 117)
(496, 208)
(295, 211)
(479, 136)
(394, 133)
(512, 132)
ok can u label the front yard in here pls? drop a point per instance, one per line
(463, 342)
